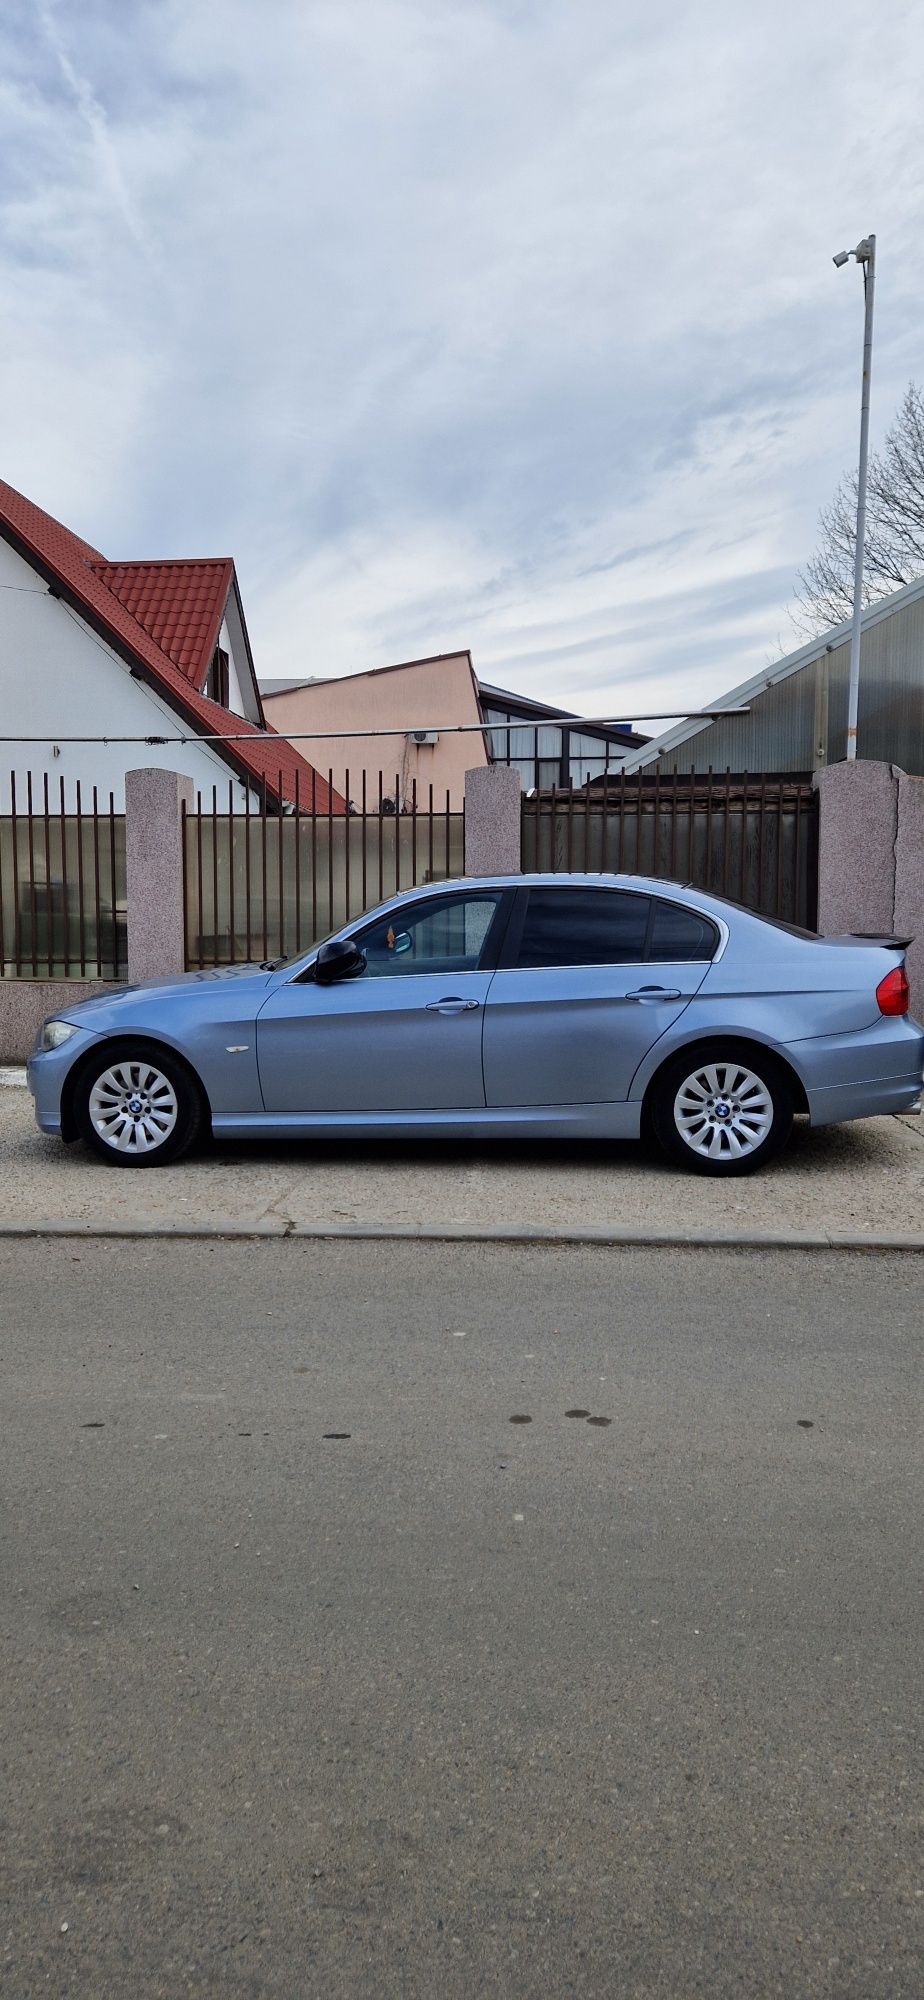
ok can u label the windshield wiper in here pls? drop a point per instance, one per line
(272, 964)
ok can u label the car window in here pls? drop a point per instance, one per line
(447, 935)
(775, 923)
(678, 934)
(583, 927)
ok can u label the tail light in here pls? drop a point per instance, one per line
(893, 992)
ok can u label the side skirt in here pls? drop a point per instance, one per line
(546, 1121)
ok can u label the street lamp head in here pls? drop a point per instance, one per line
(863, 253)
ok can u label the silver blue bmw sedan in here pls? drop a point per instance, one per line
(602, 1006)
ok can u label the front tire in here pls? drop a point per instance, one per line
(722, 1109)
(137, 1107)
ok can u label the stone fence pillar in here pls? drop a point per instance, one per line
(857, 825)
(493, 809)
(154, 872)
(871, 857)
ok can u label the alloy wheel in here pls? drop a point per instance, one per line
(723, 1111)
(133, 1107)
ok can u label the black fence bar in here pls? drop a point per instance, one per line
(65, 895)
(347, 845)
(330, 849)
(96, 883)
(232, 872)
(363, 816)
(283, 829)
(112, 886)
(17, 909)
(264, 877)
(33, 904)
(81, 901)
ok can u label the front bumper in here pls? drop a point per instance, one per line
(47, 1071)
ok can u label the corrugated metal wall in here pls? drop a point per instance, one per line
(800, 723)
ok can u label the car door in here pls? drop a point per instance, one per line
(405, 1034)
(589, 979)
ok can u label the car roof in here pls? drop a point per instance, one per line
(649, 885)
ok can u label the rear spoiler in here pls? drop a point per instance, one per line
(874, 937)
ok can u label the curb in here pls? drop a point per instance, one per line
(276, 1229)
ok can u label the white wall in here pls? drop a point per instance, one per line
(235, 693)
(244, 698)
(58, 679)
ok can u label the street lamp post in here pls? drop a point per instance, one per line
(865, 254)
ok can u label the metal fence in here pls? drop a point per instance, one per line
(62, 885)
(754, 839)
(260, 884)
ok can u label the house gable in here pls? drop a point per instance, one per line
(71, 569)
(378, 713)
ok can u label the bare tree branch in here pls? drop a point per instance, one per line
(894, 552)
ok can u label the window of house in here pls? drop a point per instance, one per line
(218, 678)
(583, 927)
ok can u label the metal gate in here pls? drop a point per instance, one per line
(753, 839)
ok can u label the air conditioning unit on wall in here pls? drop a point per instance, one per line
(424, 736)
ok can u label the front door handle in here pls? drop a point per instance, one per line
(453, 1004)
(652, 993)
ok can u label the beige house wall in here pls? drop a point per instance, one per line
(422, 694)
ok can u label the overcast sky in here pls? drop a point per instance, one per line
(509, 324)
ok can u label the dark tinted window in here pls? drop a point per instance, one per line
(583, 927)
(776, 923)
(678, 934)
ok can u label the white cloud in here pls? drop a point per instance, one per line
(95, 120)
(432, 313)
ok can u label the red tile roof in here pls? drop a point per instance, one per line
(180, 604)
(78, 570)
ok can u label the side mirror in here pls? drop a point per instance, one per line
(340, 958)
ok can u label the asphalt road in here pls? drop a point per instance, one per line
(323, 1676)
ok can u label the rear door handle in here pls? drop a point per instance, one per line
(453, 1004)
(651, 993)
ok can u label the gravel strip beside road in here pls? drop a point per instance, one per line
(866, 1178)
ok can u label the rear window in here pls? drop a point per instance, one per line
(678, 934)
(776, 923)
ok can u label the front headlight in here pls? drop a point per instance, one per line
(56, 1032)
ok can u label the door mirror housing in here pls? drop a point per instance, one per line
(340, 958)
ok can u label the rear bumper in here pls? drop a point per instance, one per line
(876, 1072)
(883, 1097)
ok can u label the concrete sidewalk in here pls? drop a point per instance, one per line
(858, 1182)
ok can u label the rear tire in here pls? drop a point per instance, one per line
(137, 1106)
(724, 1109)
